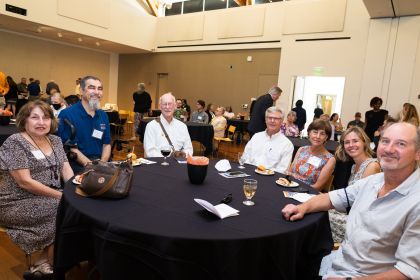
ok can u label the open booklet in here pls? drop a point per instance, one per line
(221, 210)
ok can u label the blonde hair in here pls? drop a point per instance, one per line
(341, 154)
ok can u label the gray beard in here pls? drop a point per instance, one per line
(94, 104)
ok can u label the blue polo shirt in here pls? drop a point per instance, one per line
(85, 126)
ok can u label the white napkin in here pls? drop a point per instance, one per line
(223, 165)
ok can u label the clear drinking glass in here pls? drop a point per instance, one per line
(165, 151)
(241, 160)
(250, 187)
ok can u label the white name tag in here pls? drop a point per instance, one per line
(97, 134)
(38, 154)
(315, 161)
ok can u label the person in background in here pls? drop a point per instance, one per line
(374, 118)
(354, 145)
(77, 87)
(313, 164)
(142, 106)
(57, 104)
(336, 126)
(251, 107)
(318, 111)
(300, 119)
(33, 161)
(357, 121)
(180, 113)
(257, 121)
(34, 89)
(51, 85)
(219, 123)
(270, 148)
(409, 114)
(200, 115)
(289, 128)
(325, 117)
(187, 108)
(71, 99)
(22, 94)
(229, 114)
(93, 136)
(4, 89)
(377, 135)
(210, 112)
(11, 96)
(383, 226)
(154, 137)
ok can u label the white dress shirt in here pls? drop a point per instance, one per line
(154, 137)
(381, 233)
(273, 152)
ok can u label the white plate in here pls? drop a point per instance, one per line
(267, 172)
(76, 180)
(291, 185)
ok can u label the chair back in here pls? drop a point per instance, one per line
(231, 131)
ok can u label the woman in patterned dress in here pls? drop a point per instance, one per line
(355, 144)
(32, 162)
(289, 128)
(314, 164)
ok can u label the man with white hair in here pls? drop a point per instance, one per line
(142, 106)
(177, 131)
(270, 148)
(257, 121)
(93, 137)
(383, 226)
(57, 103)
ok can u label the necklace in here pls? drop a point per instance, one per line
(53, 167)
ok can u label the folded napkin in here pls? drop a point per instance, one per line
(223, 165)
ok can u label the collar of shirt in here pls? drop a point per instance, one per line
(274, 136)
(407, 186)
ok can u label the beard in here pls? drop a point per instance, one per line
(94, 104)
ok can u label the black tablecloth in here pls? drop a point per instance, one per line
(113, 116)
(241, 127)
(6, 131)
(331, 146)
(202, 133)
(159, 232)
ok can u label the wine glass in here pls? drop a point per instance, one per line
(250, 187)
(165, 151)
(241, 160)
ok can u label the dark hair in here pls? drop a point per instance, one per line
(332, 116)
(26, 110)
(358, 114)
(319, 124)
(84, 79)
(71, 99)
(341, 154)
(209, 106)
(10, 81)
(375, 100)
(299, 103)
(201, 102)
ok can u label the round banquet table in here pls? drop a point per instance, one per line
(6, 131)
(159, 232)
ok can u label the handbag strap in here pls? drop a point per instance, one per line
(107, 187)
(166, 134)
(348, 208)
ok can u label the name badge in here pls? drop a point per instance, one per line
(38, 154)
(97, 134)
(315, 161)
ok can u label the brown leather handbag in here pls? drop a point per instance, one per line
(107, 180)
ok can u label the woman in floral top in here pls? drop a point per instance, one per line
(288, 128)
(313, 164)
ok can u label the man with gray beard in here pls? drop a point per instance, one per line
(93, 138)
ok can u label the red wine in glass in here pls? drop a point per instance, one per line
(165, 152)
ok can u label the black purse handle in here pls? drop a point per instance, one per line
(166, 134)
(348, 208)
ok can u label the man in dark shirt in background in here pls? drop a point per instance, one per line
(300, 115)
(142, 106)
(257, 121)
(357, 121)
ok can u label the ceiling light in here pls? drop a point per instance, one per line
(59, 35)
(97, 44)
(80, 39)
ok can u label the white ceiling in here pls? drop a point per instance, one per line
(25, 27)
(392, 8)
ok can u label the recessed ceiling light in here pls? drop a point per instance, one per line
(59, 35)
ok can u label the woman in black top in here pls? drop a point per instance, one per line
(374, 118)
(11, 96)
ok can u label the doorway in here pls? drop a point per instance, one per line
(325, 92)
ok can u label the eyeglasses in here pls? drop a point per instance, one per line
(273, 119)
(167, 104)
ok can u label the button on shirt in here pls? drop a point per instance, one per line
(85, 125)
(273, 152)
(154, 137)
(382, 233)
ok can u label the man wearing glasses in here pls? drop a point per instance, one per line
(154, 136)
(270, 148)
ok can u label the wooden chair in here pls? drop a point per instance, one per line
(230, 136)
(129, 120)
(28, 257)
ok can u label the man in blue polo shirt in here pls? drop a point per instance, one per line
(93, 137)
